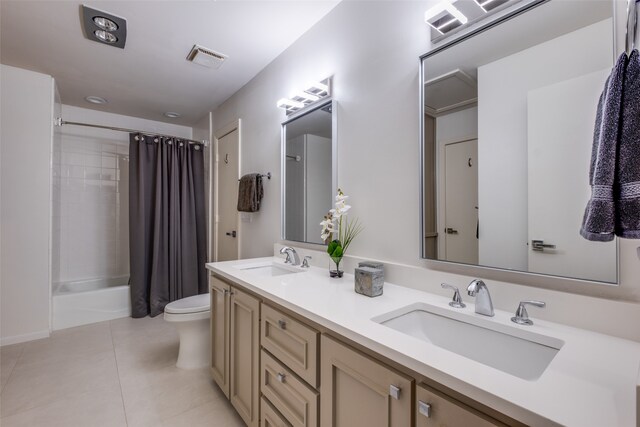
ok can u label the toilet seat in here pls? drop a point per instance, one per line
(189, 305)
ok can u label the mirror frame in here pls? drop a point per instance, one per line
(518, 9)
(283, 164)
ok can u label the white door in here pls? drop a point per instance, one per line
(560, 134)
(461, 202)
(228, 171)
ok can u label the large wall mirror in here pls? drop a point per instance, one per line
(309, 171)
(508, 119)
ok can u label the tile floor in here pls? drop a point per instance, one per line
(116, 373)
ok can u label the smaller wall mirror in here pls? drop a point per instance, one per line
(308, 171)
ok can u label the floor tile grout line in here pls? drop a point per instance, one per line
(115, 357)
(13, 368)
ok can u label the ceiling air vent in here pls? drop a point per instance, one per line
(206, 57)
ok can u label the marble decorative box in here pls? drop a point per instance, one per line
(369, 281)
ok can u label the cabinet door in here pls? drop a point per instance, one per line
(434, 409)
(244, 345)
(357, 391)
(219, 292)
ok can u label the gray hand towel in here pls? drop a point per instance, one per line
(250, 193)
(598, 223)
(627, 193)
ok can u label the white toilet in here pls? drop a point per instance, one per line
(191, 316)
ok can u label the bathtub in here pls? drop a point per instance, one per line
(89, 301)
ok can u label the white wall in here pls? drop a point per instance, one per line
(91, 194)
(26, 133)
(375, 66)
(502, 128)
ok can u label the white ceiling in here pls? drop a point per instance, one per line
(151, 75)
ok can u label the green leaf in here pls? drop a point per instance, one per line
(334, 246)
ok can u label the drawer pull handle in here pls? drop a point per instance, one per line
(424, 408)
(394, 392)
(282, 324)
(280, 377)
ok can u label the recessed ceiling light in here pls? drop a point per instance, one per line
(95, 99)
(105, 23)
(172, 114)
(105, 36)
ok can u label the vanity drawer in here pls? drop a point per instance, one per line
(295, 400)
(292, 342)
(434, 409)
(270, 417)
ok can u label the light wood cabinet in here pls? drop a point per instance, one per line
(292, 397)
(270, 364)
(435, 409)
(270, 416)
(292, 342)
(235, 333)
(219, 294)
(358, 391)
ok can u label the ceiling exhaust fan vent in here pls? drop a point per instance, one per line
(206, 57)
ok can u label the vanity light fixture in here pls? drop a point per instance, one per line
(304, 97)
(317, 88)
(95, 99)
(444, 16)
(488, 5)
(314, 92)
(289, 104)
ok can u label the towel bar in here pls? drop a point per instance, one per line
(268, 175)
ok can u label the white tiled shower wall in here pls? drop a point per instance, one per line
(90, 222)
(90, 205)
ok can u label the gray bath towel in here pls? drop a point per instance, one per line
(599, 217)
(627, 195)
(250, 193)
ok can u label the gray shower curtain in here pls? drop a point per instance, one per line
(167, 236)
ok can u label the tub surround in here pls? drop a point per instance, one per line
(592, 380)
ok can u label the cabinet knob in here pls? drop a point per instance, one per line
(394, 391)
(282, 324)
(424, 408)
(280, 377)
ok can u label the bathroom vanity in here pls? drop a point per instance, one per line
(293, 347)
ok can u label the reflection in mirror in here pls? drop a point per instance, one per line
(308, 151)
(508, 125)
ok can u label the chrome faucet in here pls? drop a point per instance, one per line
(478, 289)
(292, 255)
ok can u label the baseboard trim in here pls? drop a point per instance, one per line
(16, 339)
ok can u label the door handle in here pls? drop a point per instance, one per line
(232, 233)
(540, 246)
(450, 230)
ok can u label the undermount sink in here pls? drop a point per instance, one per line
(269, 269)
(507, 348)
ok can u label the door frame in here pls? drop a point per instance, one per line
(214, 219)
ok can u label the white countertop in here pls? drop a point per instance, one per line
(590, 382)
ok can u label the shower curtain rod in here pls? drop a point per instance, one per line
(60, 122)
